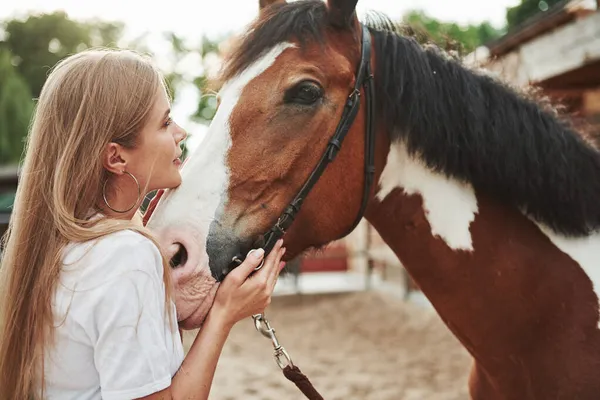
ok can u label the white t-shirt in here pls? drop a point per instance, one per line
(113, 340)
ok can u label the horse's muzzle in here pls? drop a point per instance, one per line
(226, 250)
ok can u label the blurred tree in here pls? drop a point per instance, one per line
(527, 9)
(449, 35)
(179, 51)
(28, 49)
(207, 106)
(40, 41)
(16, 106)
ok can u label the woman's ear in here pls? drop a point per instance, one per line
(113, 160)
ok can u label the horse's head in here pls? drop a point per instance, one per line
(285, 90)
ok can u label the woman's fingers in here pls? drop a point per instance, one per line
(275, 270)
(253, 260)
(271, 262)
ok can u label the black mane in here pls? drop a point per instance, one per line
(462, 123)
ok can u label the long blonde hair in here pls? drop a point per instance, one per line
(89, 100)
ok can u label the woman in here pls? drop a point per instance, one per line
(86, 296)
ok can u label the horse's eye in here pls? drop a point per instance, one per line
(305, 93)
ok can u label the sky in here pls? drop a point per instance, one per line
(216, 18)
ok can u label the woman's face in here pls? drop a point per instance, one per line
(155, 160)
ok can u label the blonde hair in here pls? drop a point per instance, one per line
(89, 100)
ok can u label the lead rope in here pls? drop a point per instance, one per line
(284, 361)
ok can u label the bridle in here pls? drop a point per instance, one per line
(364, 77)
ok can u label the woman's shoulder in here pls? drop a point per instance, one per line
(127, 238)
(114, 254)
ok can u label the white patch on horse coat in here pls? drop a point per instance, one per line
(205, 174)
(450, 205)
(583, 250)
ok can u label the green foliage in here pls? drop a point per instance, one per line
(527, 9)
(16, 106)
(207, 106)
(450, 35)
(29, 48)
(40, 41)
(179, 51)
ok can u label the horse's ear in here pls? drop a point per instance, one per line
(342, 13)
(262, 4)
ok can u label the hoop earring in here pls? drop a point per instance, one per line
(136, 201)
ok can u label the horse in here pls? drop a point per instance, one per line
(486, 193)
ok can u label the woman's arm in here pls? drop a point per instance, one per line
(197, 371)
(239, 297)
(194, 378)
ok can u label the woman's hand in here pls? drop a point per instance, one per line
(240, 295)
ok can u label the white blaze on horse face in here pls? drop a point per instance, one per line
(184, 215)
(449, 205)
(583, 250)
(205, 176)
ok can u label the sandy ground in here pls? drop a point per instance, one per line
(361, 345)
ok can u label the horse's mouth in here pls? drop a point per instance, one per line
(197, 317)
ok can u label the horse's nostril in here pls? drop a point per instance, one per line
(180, 257)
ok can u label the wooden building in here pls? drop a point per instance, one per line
(558, 51)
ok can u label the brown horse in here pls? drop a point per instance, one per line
(488, 198)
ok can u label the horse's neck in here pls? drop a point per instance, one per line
(494, 277)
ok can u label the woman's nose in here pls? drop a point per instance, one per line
(181, 134)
